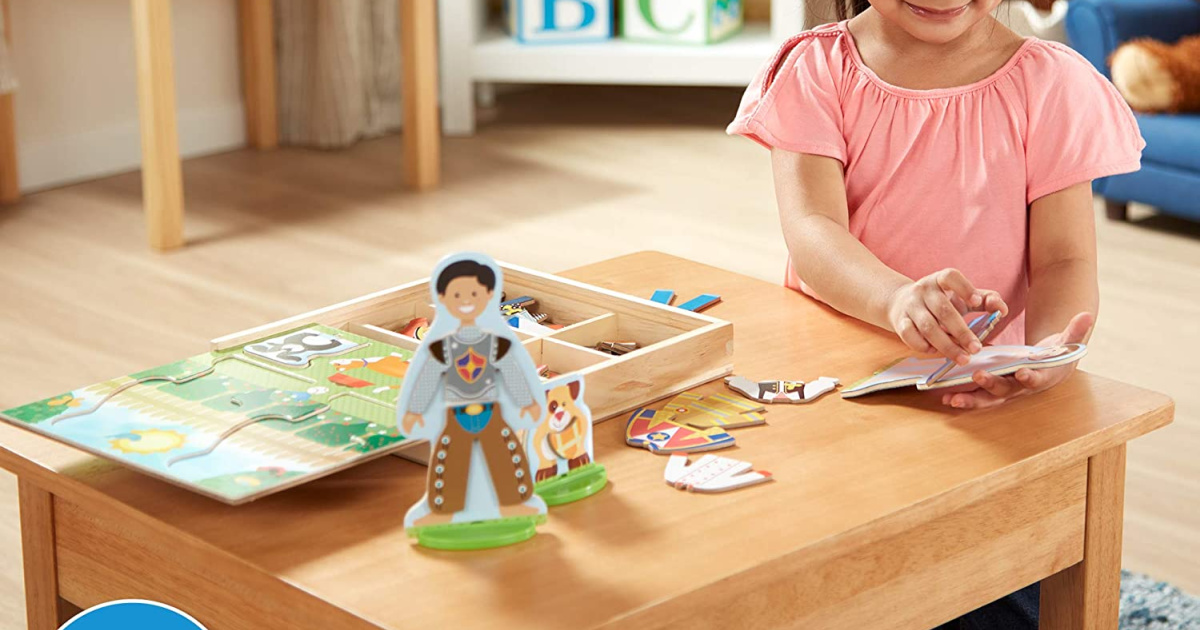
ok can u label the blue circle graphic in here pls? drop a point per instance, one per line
(132, 614)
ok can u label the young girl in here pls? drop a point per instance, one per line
(929, 162)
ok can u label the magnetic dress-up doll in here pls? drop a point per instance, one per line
(469, 390)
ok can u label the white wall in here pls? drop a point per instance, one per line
(76, 106)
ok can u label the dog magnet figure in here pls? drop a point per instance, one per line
(470, 389)
(562, 445)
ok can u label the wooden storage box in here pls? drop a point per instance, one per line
(678, 349)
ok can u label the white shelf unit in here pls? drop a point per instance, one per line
(475, 53)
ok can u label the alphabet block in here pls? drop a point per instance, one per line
(681, 21)
(560, 21)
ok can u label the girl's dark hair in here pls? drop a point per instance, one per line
(847, 9)
(469, 268)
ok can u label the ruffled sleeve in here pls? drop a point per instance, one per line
(1080, 128)
(793, 103)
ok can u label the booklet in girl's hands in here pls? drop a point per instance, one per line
(936, 373)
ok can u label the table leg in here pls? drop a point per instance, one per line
(422, 133)
(10, 178)
(1087, 595)
(162, 184)
(10, 182)
(256, 20)
(37, 546)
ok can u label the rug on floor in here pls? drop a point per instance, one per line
(1147, 604)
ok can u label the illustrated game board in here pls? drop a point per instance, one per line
(240, 423)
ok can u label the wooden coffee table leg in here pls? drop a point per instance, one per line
(37, 545)
(1087, 595)
(10, 184)
(259, 86)
(162, 183)
(422, 131)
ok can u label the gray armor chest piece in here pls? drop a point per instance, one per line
(472, 373)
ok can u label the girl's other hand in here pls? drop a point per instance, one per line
(928, 314)
(995, 390)
(533, 410)
(411, 421)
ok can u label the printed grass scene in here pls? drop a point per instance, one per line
(239, 423)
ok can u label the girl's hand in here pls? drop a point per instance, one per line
(995, 390)
(410, 421)
(533, 410)
(928, 314)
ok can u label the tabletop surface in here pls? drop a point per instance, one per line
(844, 470)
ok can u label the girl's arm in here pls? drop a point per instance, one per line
(1062, 262)
(1063, 295)
(926, 314)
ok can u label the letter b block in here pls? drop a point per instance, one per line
(681, 21)
(559, 21)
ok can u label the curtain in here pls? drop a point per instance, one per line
(339, 70)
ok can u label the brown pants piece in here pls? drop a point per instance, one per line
(451, 464)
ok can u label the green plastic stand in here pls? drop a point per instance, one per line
(477, 535)
(577, 484)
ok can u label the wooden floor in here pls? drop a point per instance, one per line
(556, 178)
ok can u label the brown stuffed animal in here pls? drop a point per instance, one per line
(1156, 77)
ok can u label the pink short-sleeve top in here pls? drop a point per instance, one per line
(944, 178)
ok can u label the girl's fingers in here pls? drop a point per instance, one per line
(959, 401)
(1079, 326)
(993, 302)
(907, 330)
(998, 386)
(952, 321)
(959, 304)
(983, 399)
(1034, 380)
(995, 390)
(954, 281)
(936, 337)
(975, 400)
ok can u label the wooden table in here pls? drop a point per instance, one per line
(162, 182)
(890, 511)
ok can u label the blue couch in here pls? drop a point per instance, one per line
(1170, 175)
